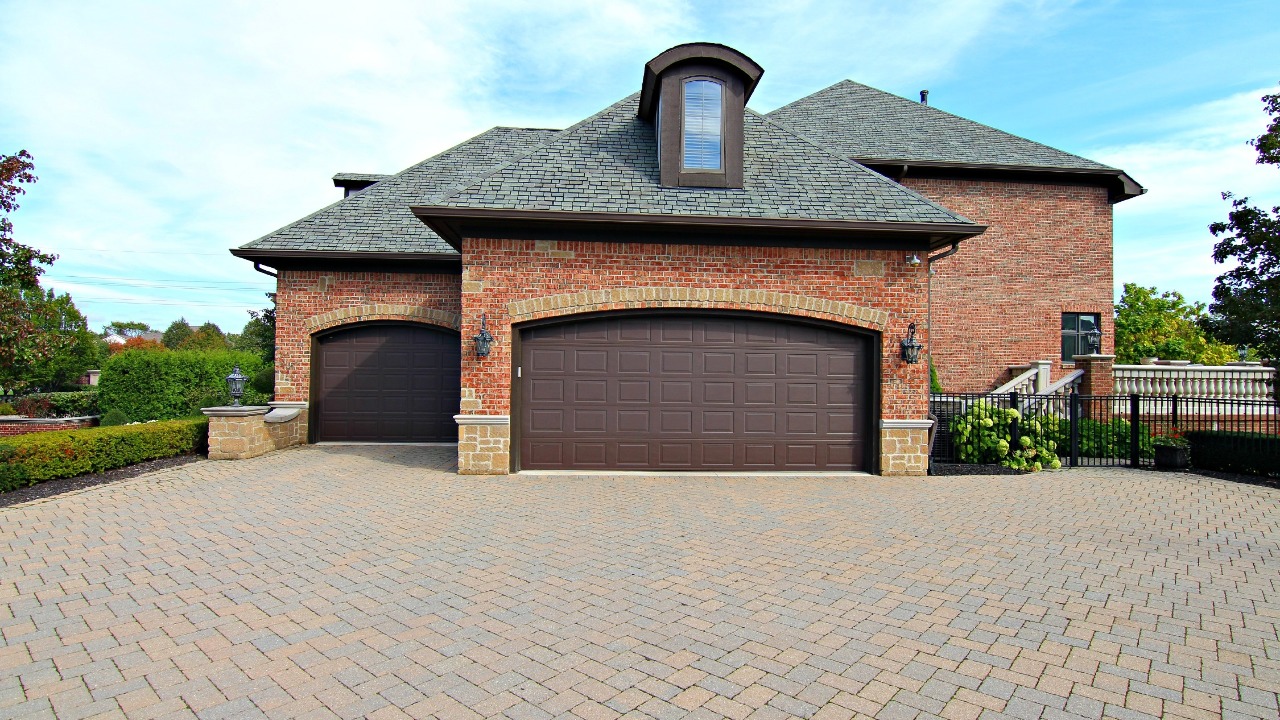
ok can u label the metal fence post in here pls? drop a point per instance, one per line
(1073, 412)
(1135, 459)
(1015, 432)
(1175, 411)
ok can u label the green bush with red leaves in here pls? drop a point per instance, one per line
(35, 457)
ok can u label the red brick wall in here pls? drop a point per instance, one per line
(9, 428)
(304, 295)
(497, 272)
(999, 301)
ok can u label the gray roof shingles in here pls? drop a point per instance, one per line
(608, 164)
(378, 219)
(867, 124)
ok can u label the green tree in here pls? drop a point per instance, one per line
(1246, 299)
(1150, 323)
(126, 329)
(207, 337)
(24, 334)
(259, 334)
(81, 350)
(177, 332)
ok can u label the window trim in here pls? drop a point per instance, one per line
(1076, 333)
(684, 129)
(669, 126)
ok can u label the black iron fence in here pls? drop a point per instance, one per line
(1097, 430)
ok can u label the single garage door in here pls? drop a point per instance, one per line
(693, 392)
(387, 383)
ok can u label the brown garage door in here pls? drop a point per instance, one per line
(387, 383)
(691, 392)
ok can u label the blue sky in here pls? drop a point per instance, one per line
(166, 132)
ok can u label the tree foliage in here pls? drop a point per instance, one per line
(1150, 323)
(1246, 299)
(135, 343)
(126, 329)
(177, 332)
(35, 327)
(76, 350)
(259, 334)
(207, 337)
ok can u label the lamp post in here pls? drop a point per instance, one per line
(235, 383)
(911, 347)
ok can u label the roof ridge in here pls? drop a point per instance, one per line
(857, 165)
(564, 134)
(379, 188)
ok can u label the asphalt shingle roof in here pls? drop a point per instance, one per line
(608, 163)
(378, 219)
(359, 177)
(866, 124)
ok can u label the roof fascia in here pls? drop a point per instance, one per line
(300, 259)
(453, 224)
(1121, 185)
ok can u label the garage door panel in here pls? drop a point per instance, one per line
(387, 383)
(679, 392)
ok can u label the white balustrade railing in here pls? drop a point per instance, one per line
(1240, 382)
(1024, 383)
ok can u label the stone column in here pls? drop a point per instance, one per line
(484, 444)
(904, 447)
(238, 433)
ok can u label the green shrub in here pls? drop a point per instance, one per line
(7, 409)
(982, 435)
(113, 417)
(1099, 439)
(264, 381)
(167, 385)
(29, 459)
(935, 385)
(1241, 452)
(75, 403)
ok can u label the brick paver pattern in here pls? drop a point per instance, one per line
(341, 581)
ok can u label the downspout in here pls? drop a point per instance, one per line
(955, 247)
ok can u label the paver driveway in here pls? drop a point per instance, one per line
(370, 581)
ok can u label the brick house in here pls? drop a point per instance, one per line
(680, 283)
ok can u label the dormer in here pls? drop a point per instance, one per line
(695, 96)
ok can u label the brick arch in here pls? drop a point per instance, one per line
(382, 311)
(701, 298)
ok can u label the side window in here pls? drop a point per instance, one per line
(1080, 332)
(703, 140)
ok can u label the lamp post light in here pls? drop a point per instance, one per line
(911, 347)
(235, 383)
(1094, 338)
(483, 339)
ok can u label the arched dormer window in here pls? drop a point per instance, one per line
(695, 95)
(703, 131)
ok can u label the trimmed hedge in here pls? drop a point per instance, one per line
(1240, 452)
(28, 459)
(76, 403)
(146, 385)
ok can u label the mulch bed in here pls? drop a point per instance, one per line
(50, 488)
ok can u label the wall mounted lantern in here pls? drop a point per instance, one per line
(911, 347)
(235, 383)
(1094, 338)
(483, 340)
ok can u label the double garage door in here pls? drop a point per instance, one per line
(692, 392)
(686, 391)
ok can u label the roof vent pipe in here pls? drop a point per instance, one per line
(924, 97)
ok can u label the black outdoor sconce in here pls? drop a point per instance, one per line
(483, 339)
(235, 383)
(911, 347)
(1094, 338)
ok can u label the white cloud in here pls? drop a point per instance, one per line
(1162, 238)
